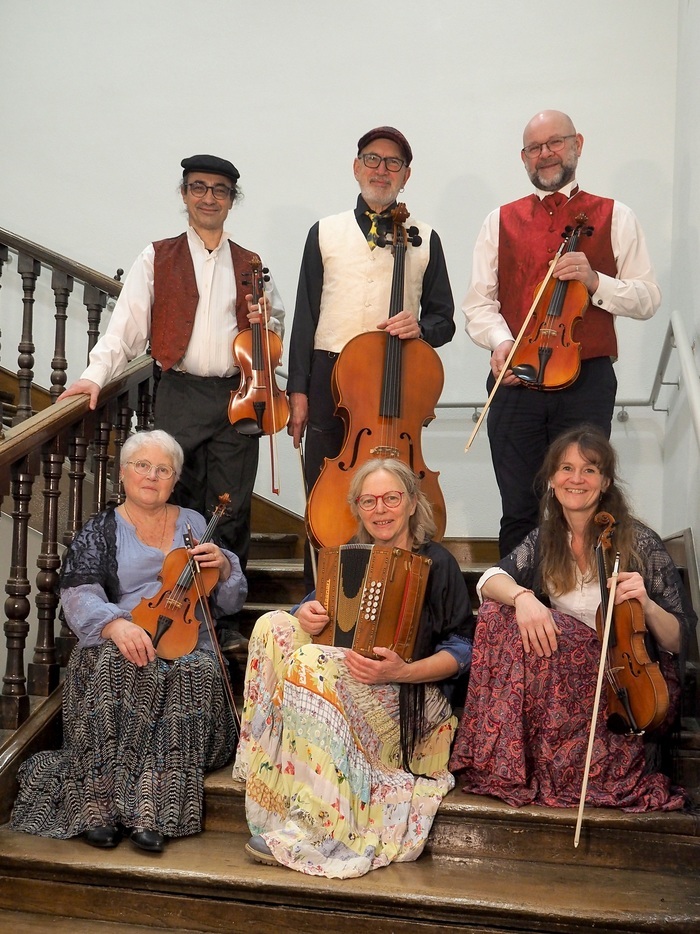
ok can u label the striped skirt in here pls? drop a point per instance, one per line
(137, 742)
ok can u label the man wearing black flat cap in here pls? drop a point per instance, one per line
(344, 290)
(188, 297)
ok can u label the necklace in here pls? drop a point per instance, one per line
(139, 534)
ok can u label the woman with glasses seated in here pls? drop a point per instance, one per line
(344, 758)
(139, 731)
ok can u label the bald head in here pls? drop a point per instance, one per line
(550, 168)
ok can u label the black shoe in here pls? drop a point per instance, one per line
(150, 840)
(105, 837)
(231, 640)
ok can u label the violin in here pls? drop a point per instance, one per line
(637, 692)
(169, 616)
(549, 356)
(258, 407)
(385, 390)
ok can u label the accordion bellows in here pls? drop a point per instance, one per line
(374, 597)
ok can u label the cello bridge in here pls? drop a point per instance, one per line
(384, 451)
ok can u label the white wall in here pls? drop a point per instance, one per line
(100, 102)
(681, 446)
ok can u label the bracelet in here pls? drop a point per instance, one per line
(520, 593)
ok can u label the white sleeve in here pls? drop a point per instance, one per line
(484, 322)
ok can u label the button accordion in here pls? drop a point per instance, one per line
(373, 596)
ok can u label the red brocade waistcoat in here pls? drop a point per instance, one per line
(529, 236)
(175, 296)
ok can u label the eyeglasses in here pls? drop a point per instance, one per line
(555, 144)
(373, 161)
(144, 468)
(199, 189)
(368, 501)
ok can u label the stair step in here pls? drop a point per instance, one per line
(475, 827)
(208, 880)
(25, 922)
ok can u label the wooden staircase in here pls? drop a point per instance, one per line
(487, 867)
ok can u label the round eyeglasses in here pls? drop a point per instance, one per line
(555, 144)
(391, 500)
(373, 161)
(144, 468)
(199, 189)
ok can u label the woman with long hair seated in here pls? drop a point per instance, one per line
(345, 757)
(138, 731)
(524, 734)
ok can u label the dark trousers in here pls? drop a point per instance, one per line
(523, 422)
(194, 410)
(325, 432)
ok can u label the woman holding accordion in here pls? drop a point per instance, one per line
(344, 757)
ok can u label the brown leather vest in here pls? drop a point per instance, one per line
(175, 296)
(529, 236)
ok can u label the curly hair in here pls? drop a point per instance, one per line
(557, 567)
(421, 525)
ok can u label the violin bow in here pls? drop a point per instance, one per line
(596, 700)
(312, 550)
(516, 343)
(204, 603)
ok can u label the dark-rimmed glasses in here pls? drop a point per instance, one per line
(555, 144)
(144, 468)
(391, 500)
(373, 161)
(199, 189)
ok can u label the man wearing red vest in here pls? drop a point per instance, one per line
(511, 257)
(189, 296)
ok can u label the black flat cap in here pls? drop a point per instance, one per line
(212, 165)
(386, 132)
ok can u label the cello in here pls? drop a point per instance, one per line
(385, 390)
(637, 692)
(258, 407)
(169, 616)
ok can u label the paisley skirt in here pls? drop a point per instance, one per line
(524, 734)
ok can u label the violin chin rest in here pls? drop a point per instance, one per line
(248, 426)
(525, 372)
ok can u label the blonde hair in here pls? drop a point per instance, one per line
(421, 525)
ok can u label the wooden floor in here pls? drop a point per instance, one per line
(488, 868)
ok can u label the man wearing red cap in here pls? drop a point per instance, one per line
(344, 290)
(188, 297)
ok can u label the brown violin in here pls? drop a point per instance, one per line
(385, 390)
(258, 407)
(169, 616)
(549, 356)
(637, 692)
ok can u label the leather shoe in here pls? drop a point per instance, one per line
(260, 851)
(145, 839)
(105, 837)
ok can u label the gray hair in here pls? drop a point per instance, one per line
(421, 524)
(134, 443)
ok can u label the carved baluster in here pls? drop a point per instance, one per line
(29, 269)
(144, 410)
(43, 673)
(4, 255)
(124, 416)
(77, 455)
(94, 300)
(14, 701)
(62, 285)
(101, 464)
